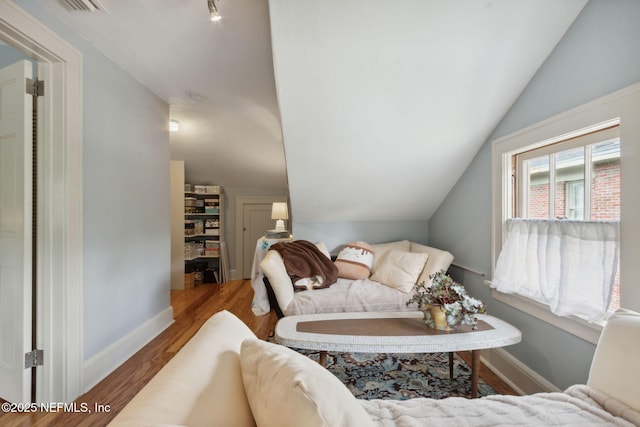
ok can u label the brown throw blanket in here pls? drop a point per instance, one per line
(303, 259)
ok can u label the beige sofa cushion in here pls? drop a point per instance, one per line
(614, 366)
(400, 270)
(202, 384)
(348, 295)
(286, 388)
(438, 260)
(273, 268)
(380, 249)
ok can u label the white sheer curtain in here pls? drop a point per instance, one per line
(568, 265)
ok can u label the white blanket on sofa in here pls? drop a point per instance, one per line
(349, 296)
(578, 406)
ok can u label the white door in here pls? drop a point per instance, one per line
(15, 231)
(256, 219)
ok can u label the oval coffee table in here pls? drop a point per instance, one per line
(392, 332)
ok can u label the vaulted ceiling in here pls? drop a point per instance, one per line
(384, 104)
(379, 108)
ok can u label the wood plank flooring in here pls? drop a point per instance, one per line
(191, 309)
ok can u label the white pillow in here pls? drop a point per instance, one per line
(285, 388)
(438, 260)
(273, 268)
(618, 350)
(323, 249)
(400, 270)
(381, 249)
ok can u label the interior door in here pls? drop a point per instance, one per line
(256, 220)
(15, 231)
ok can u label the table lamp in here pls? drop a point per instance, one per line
(279, 213)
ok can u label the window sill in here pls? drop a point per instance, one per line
(589, 332)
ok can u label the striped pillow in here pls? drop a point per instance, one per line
(355, 260)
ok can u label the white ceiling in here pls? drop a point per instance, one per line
(216, 76)
(383, 104)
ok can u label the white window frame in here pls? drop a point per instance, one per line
(619, 108)
(571, 190)
(591, 136)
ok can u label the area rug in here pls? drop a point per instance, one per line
(401, 376)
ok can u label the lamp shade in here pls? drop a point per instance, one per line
(279, 211)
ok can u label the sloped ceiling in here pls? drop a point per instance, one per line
(384, 104)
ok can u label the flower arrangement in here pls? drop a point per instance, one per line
(451, 296)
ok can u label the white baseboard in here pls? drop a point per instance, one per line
(105, 362)
(516, 374)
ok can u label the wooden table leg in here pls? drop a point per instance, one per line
(451, 365)
(323, 358)
(475, 372)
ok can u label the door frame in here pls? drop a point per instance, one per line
(240, 202)
(59, 270)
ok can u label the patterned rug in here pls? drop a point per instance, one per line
(401, 376)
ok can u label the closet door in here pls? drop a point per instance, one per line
(15, 231)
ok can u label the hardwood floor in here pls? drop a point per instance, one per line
(191, 309)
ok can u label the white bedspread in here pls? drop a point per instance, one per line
(578, 406)
(349, 296)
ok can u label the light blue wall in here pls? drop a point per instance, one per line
(9, 55)
(126, 220)
(598, 55)
(335, 234)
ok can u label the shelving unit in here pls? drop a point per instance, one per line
(203, 234)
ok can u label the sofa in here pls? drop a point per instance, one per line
(225, 376)
(395, 267)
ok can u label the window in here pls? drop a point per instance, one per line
(569, 164)
(593, 157)
(575, 152)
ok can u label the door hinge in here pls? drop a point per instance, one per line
(35, 87)
(33, 358)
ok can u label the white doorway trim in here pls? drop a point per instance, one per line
(59, 307)
(240, 202)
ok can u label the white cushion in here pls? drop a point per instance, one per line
(323, 249)
(400, 270)
(201, 385)
(438, 260)
(614, 366)
(348, 295)
(273, 268)
(380, 249)
(285, 388)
